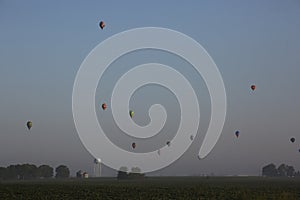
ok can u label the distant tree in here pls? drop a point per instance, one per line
(2, 173)
(123, 169)
(135, 170)
(282, 170)
(45, 171)
(20, 171)
(136, 173)
(122, 173)
(27, 171)
(269, 170)
(11, 172)
(285, 170)
(290, 171)
(62, 171)
(24, 171)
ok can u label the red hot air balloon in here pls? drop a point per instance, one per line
(133, 145)
(253, 87)
(104, 106)
(102, 25)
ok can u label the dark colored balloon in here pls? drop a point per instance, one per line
(29, 125)
(237, 133)
(133, 145)
(191, 137)
(293, 140)
(253, 87)
(102, 25)
(168, 143)
(104, 106)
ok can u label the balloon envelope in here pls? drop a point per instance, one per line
(292, 140)
(133, 145)
(131, 113)
(102, 24)
(29, 124)
(237, 133)
(253, 87)
(168, 143)
(104, 106)
(192, 137)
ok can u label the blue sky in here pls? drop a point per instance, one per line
(43, 43)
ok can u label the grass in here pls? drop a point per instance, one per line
(154, 188)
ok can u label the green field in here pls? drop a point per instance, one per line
(155, 188)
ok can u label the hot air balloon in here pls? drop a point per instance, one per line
(253, 87)
(102, 25)
(131, 113)
(104, 106)
(237, 133)
(292, 140)
(192, 137)
(168, 143)
(133, 145)
(29, 125)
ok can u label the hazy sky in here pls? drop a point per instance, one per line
(43, 43)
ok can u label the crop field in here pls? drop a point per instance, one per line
(154, 188)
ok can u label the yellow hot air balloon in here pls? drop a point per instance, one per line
(29, 125)
(131, 113)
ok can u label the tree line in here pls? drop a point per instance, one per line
(134, 174)
(282, 170)
(31, 171)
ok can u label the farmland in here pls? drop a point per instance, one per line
(154, 188)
